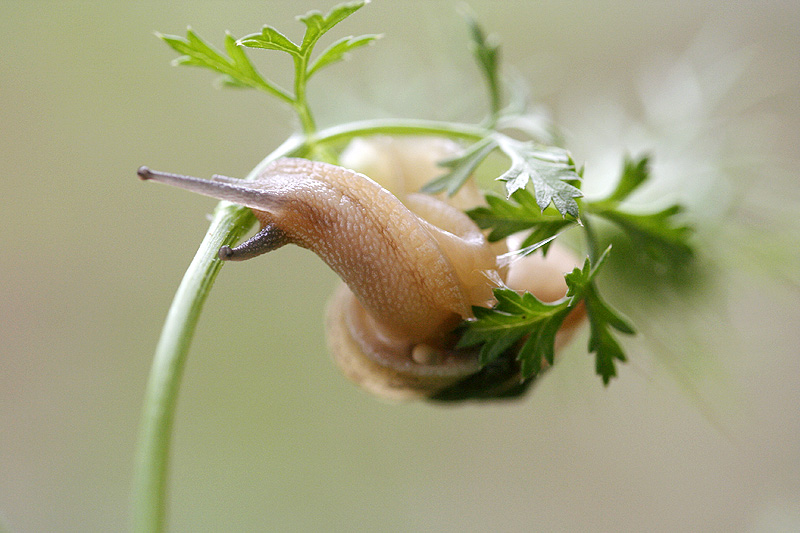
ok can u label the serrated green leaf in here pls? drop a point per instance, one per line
(487, 51)
(659, 234)
(634, 173)
(270, 39)
(339, 50)
(237, 70)
(522, 317)
(461, 167)
(580, 285)
(518, 213)
(515, 317)
(548, 170)
(318, 24)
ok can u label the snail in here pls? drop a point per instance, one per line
(411, 269)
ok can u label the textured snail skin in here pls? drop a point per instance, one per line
(404, 165)
(412, 277)
(411, 269)
(409, 281)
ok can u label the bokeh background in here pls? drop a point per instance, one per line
(700, 432)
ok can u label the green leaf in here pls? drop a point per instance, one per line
(461, 168)
(548, 169)
(237, 70)
(634, 173)
(243, 65)
(516, 317)
(339, 49)
(270, 39)
(487, 51)
(602, 318)
(660, 234)
(318, 24)
(519, 213)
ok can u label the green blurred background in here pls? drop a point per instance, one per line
(268, 435)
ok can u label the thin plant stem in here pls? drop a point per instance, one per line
(152, 459)
(229, 224)
(402, 127)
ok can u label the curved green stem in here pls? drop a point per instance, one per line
(229, 224)
(402, 127)
(152, 458)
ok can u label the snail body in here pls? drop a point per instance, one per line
(412, 270)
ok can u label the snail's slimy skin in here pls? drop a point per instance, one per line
(406, 272)
(416, 279)
(412, 269)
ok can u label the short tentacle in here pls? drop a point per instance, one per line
(269, 238)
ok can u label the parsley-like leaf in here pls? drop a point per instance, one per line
(339, 50)
(237, 70)
(529, 326)
(602, 318)
(634, 173)
(661, 235)
(514, 317)
(461, 167)
(317, 25)
(487, 51)
(549, 169)
(519, 213)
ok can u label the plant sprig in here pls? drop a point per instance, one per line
(516, 317)
(486, 51)
(662, 234)
(238, 70)
(528, 326)
(520, 212)
(659, 234)
(602, 318)
(549, 170)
